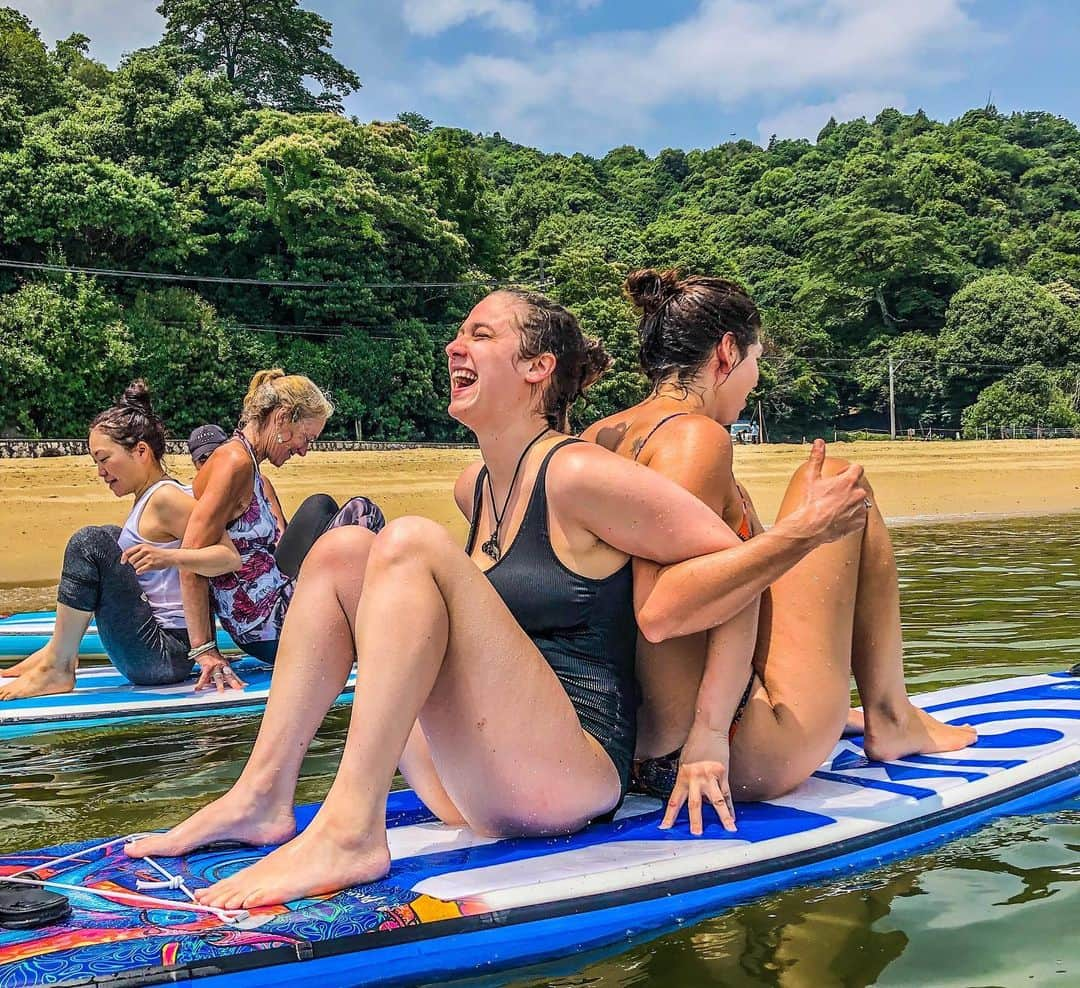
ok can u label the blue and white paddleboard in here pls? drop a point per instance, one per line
(457, 905)
(103, 697)
(22, 634)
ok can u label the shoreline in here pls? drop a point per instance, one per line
(43, 501)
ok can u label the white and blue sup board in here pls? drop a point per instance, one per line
(457, 905)
(104, 698)
(23, 634)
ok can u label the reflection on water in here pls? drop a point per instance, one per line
(999, 906)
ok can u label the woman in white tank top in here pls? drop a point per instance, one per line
(127, 578)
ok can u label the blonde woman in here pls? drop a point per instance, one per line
(283, 414)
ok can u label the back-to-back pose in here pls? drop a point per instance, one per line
(282, 415)
(502, 679)
(128, 578)
(775, 678)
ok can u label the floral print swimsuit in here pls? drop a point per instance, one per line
(251, 603)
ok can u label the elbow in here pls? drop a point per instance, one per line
(655, 624)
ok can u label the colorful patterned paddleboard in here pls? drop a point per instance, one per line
(102, 697)
(21, 634)
(456, 905)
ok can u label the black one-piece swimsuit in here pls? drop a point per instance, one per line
(585, 628)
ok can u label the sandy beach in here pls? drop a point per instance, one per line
(43, 501)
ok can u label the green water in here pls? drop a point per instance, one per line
(997, 907)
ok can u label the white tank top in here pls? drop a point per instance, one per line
(160, 587)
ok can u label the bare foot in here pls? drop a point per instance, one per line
(40, 679)
(236, 816)
(43, 656)
(913, 732)
(856, 723)
(319, 861)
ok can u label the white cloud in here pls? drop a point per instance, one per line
(727, 52)
(432, 17)
(807, 119)
(113, 28)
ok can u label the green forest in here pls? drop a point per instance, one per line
(223, 152)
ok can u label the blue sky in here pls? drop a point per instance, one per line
(589, 75)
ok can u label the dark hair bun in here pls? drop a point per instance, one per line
(649, 289)
(136, 396)
(594, 362)
(132, 420)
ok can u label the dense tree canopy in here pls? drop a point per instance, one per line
(953, 248)
(266, 48)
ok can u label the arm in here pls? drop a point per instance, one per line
(167, 514)
(219, 487)
(703, 574)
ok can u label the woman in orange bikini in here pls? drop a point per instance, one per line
(780, 669)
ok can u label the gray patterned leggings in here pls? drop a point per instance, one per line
(94, 579)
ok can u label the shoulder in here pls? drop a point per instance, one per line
(170, 507)
(229, 467)
(170, 495)
(465, 487)
(689, 436)
(695, 452)
(577, 468)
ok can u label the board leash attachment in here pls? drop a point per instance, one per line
(29, 907)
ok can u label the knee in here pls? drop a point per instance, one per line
(322, 503)
(92, 541)
(338, 549)
(409, 539)
(832, 466)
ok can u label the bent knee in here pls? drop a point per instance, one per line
(340, 548)
(832, 466)
(407, 539)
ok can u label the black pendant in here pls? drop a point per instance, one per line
(491, 549)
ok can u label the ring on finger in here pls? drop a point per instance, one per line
(218, 675)
(868, 503)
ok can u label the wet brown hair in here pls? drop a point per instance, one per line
(132, 420)
(683, 319)
(547, 327)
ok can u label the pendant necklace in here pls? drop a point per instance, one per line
(491, 547)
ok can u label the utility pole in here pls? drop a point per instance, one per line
(893, 367)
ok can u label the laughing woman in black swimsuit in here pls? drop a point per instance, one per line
(501, 680)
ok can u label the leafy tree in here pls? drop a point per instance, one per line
(899, 270)
(1027, 398)
(54, 195)
(919, 383)
(416, 122)
(998, 323)
(266, 48)
(178, 337)
(72, 55)
(64, 355)
(27, 73)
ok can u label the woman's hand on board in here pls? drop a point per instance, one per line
(216, 672)
(703, 776)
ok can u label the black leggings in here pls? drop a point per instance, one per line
(94, 579)
(318, 514)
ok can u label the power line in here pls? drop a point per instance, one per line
(269, 283)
